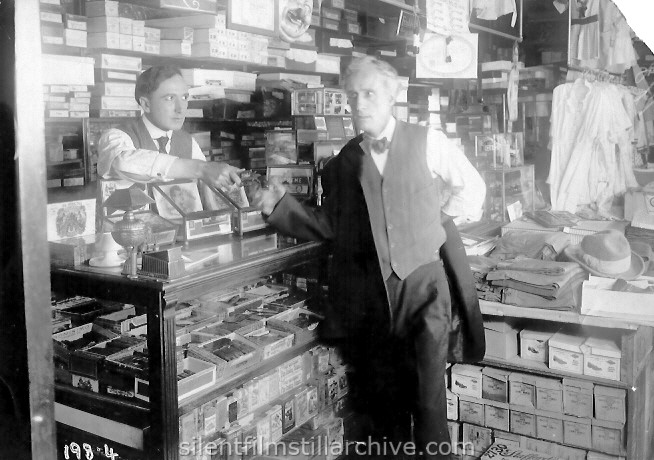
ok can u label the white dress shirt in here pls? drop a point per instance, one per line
(118, 158)
(446, 161)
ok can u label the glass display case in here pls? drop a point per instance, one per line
(509, 192)
(128, 384)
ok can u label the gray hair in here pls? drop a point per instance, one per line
(376, 66)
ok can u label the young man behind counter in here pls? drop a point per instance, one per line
(400, 285)
(154, 147)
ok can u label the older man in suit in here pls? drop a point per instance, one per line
(390, 309)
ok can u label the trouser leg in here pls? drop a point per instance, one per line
(422, 303)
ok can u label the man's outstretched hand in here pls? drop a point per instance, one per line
(221, 175)
(267, 199)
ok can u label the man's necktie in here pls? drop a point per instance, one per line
(163, 142)
(379, 145)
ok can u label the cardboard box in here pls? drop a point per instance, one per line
(66, 70)
(455, 435)
(599, 456)
(534, 344)
(607, 436)
(495, 384)
(481, 438)
(500, 451)
(610, 403)
(522, 390)
(101, 8)
(471, 410)
(117, 62)
(194, 375)
(523, 420)
(466, 380)
(508, 439)
(577, 431)
(565, 353)
(577, 397)
(103, 24)
(496, 415)
(601, 358)
(549, 426)
(501, 339)
(598, 299)
(549, 394)
(452, 405)
(572, 453)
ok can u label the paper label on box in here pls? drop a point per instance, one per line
(471, 412)
(496, 417)
(549, 399)
(522, 394)
(577, 403)
(565, 360)
(609, 407)
(549, 428)
(465, 385)
(577, 434)
(494, 389)
(603, 367)
(533, 349)
(523, 423)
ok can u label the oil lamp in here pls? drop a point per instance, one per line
(129, 232)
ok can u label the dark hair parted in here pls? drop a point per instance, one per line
(149, 80)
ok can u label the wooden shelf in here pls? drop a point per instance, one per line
(525, 365)
(225, 385)
(500, 309)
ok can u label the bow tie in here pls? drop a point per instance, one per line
(378, 145)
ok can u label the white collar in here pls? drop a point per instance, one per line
(389, 129)
(155, 132)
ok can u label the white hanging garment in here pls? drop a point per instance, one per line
(490, 10)
(616, 49)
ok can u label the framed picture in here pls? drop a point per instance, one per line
(72, 218)
(255, 16)
(298, 179)
(215, 201)
(175, 199)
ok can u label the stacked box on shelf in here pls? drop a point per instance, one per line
(52, 23)
(67, 101)
(116, 76)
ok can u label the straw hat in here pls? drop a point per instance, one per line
(607, 253)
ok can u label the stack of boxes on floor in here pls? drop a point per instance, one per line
(573, 418)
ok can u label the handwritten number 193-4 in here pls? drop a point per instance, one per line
(73, 451)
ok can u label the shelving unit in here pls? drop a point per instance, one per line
(637, 365)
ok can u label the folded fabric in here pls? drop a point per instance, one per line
(536, 279)
(571, 301)
(550, 291)
(544, 245)
(544, 267)
(481, 264)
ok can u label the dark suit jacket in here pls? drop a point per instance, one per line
(357, 302)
